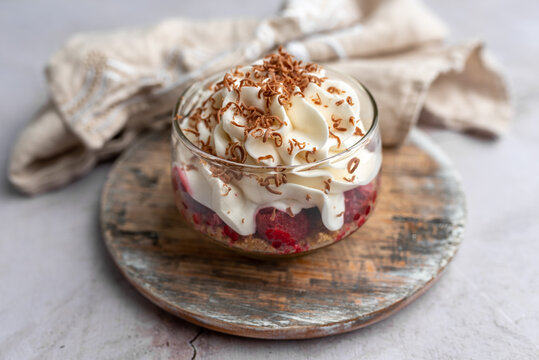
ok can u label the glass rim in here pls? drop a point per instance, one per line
(214, 158)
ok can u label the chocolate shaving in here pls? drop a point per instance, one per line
(267, 133)
(236, 124)
(337, 123)
(349, 179)
(317, 100)
(237, 72)
(247, 82)
(334, 90)
(273, 214)
(227, 82)
(267, 157)
(283, 76)
(336, 137)
(337, 127)
(257, 133)
(327, 186)
(209, 99)
(299, 145)
(224, 109)
(310, 67)
(238, 153)
(205, 146)
(349, 100)
(277, 139)
(358, 132)
(290, 147)
(212, 100)
(340, 214)
(228, 189)
(192, 131)
(277, 178)
(309, 153)
(273, 191)
(220, 173)
(352, 165)
(289, 212)
(339, 103)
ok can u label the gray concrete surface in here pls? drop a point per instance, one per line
(62, 298)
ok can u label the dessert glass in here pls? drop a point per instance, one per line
(359, 201)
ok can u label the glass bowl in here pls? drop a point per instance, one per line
(295, 233)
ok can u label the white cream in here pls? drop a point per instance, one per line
(308, 120)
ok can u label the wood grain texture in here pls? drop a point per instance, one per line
(413, 234)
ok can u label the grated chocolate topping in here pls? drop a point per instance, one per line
(278, 77)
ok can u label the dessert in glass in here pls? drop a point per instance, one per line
(276, 158)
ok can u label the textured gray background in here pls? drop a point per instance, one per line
(61, 296)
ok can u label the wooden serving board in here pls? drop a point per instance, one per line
(401, 250)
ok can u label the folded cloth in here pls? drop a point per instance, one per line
(108, 88)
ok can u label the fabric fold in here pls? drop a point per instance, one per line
(108, 88)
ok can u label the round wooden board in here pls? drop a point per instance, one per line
(401, 250)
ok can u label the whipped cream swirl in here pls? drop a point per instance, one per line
(272, 113)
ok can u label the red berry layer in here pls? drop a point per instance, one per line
(281, 229)
(283, 232)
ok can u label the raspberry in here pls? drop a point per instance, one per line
(357, 202)
(212, 219)
(281, 228)
(179, 180)
(345, 229)
(361, 221)
(227, 230)
(195, 206)
(201, 214)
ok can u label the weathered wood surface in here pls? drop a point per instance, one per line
(413, 234)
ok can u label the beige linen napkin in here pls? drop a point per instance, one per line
(107, 88)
